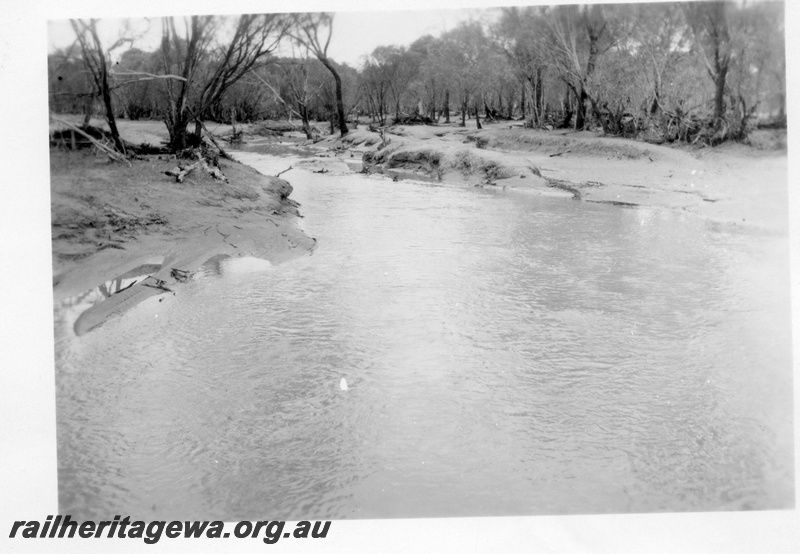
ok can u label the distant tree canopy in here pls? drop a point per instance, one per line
(705, 71)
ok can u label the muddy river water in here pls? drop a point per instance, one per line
(504, 354)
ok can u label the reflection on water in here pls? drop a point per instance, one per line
(69, 310)
(504, 354)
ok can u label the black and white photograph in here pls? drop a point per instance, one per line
(417, 263)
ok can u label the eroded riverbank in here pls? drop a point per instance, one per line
(108, 219)
(733, 185)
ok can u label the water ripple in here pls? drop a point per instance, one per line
(504, 356)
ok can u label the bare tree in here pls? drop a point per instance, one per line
(709, 22)
(306, 32)
(206, 72)
(580, 35)
(404, 66)
(301, 92)
(95, 58)
(464, 60)
(521, 34)
(656, 41)
(294, 91)
(374, 82)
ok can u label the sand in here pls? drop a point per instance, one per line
(109, 218)
(733, 184)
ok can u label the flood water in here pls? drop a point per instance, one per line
(505, 354)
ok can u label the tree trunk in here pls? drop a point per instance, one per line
(447, 106)
(196, 138)
(580, 114)
(719, 92)
(100, 76)
(463, 114)
(477, 117)
(539, 96)
(112, 121)
(177, 132)
(594, 52)
(534, 115)
(567, 112)
(306, 126)
(655, 107)
(88, 105)
(371, 108)
(339, 95)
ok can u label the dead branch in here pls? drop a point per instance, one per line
(160, 284)
(113, 154)
(149, 75)
(277, 96)
(180, 173)
(211, 138)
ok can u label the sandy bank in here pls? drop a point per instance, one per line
(109, 218)
(733, 184)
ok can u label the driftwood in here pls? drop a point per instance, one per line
(560, 153)
(180, 275)
(180, 172)
(214, 171)
(111, 153)
(160, 284)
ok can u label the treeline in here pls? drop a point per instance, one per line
(283, 89)
(706, 71)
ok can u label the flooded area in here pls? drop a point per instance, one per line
(505, 354)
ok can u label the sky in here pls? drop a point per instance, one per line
(373, 28)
